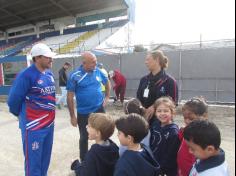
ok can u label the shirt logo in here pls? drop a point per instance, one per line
(40, 81)
(35, 146)
(162, 90)
(52, 79)
(167, 135)
(48, 90)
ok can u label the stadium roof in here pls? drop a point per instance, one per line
(15, 13)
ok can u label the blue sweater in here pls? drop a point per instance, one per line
(134, 163)
(165, 144)
(100, 160)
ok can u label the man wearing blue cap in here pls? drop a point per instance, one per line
(32, 100)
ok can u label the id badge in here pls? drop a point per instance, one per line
(146, 93)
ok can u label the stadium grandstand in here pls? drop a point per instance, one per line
(67, 26)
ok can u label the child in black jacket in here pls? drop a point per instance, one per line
(103, 155)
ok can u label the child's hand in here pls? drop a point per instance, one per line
(149, 113)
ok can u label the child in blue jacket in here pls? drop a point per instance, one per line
(138, 159)
(164, 141)
(103, 155)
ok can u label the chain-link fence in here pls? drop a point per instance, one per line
(207, 70)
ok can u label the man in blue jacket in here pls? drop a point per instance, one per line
(85, 83)
(32, 100)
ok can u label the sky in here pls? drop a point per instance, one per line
(174, 21)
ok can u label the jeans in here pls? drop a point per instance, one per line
(82, 123)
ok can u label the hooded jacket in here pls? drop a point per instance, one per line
(100, 160)
(135, 163)
(164, 144)
(159, 85)
(119, 80)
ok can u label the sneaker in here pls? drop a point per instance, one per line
(75, 165)
(114, 100)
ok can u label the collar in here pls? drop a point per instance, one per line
(151, 76)
(81, 68)
(158, 77)
(211, 162)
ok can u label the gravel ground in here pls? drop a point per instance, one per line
(66, 139)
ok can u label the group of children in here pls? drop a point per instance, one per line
(156, 147)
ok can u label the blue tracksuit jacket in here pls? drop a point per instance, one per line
(32, 99)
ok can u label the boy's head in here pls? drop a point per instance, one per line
(132, 128)
(203, 138)
(194, 109)
(134, 106)
(100, 126)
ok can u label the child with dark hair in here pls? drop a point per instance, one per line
(103, 155)
(203, 139)
(135, 106)
(194, 109)
(137, 160)
(164, 141)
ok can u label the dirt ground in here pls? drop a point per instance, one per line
(66, 139)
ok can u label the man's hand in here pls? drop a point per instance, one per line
(73, 121)
(70, 103)
(105, 102)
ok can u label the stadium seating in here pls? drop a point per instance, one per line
(74, 40)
